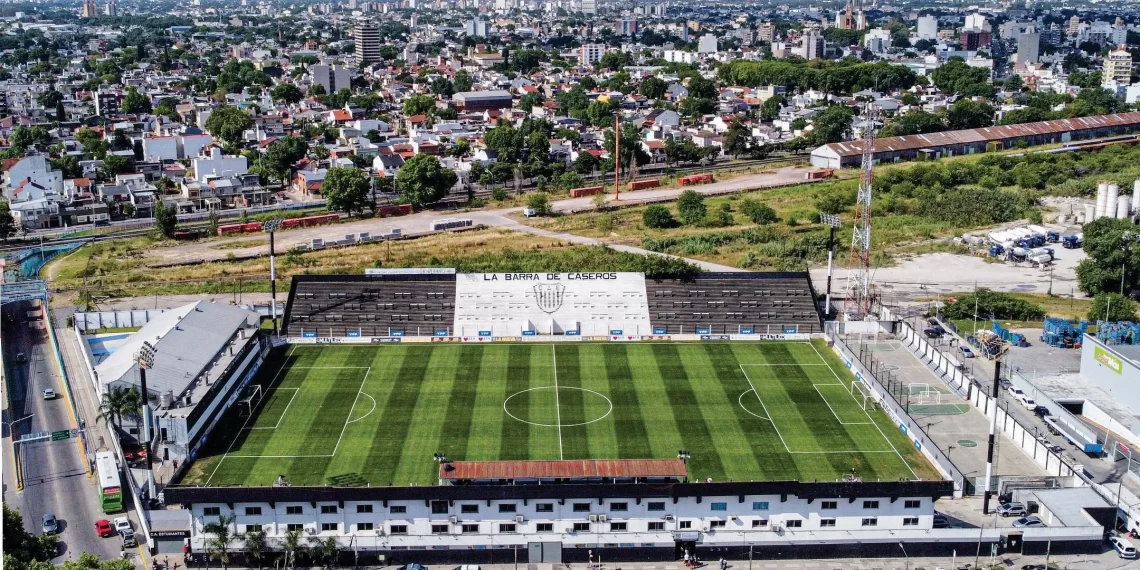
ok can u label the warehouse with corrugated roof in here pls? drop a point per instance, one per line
(972, 141)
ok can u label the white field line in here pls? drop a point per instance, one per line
(244, 424)
(766, 412)
(353, 407)
(888, 440)
(774, 426)
(366, 395)
(283, 412)
(557, 406)
(837, 418)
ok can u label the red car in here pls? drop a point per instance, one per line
(103, 528)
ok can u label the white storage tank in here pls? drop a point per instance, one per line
(1089, 216)
(1101, 200)
(1113, 200)
(1136, 195)
(1122, 205)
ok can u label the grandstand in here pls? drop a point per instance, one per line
(442, 303)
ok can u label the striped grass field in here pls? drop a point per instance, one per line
(366, 414)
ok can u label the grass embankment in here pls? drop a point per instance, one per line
(116, 270)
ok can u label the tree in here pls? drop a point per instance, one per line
(831, 125)
(22, 547)
(691, 207)
(657, 216)
(738, 140)
(114, 164)
(914, 123)
(68, 166)
(282, 154)
(165, 219)
(218, 545)
(652, 87)
(770, 109)
(967, 114)
(423, 180)
(540, 203)
(94, 147)
(135, 102)
(49, 98)
(212, 223)
(1014, 83)
(254, 545)
(7, 222)
(1112, 307)
(462, 81)
(287, 92)
(1113, 257)
(228, 123)
(760, 213)
(291, 543)
(346, 190)
(325, 551)
(586, 163)
(418, 105)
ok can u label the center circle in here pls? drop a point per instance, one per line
(541, 406)
(967, 443)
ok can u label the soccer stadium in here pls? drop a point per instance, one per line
(436, 388)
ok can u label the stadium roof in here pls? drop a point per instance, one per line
(572, 469)
(186, 339)
(950, 138)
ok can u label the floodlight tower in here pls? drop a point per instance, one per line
(858, 302)
(145, 359)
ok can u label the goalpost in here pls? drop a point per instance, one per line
(864, 396)
(250, 401)
(927, 397)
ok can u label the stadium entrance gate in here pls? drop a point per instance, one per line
(544, 552)
(685, 543)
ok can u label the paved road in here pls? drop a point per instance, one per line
(54, 473)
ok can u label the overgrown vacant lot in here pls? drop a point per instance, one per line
(355, 415)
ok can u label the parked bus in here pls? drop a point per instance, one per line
(110, 489)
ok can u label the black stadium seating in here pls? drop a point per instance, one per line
(424, 305)
(726, 303)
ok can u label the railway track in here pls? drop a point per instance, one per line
(450, 203)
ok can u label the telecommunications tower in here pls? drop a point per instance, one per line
(858, 303)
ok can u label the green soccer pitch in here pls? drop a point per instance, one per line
(367, 414)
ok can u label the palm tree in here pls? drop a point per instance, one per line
(111, 405)
(132, 406)
(253, 544)
(326, 551)
(219, 545)
(292, 544)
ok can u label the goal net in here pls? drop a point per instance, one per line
(250, 401)
(927, 397)
(864, 395)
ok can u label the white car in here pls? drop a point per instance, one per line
(49, 394)
(1027, 402)
(1123, 547)
(123, 524)
(1016, 392)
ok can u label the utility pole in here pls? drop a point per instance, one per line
(271, 227)
(617, 155)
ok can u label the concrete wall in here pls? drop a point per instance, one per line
(114, 319)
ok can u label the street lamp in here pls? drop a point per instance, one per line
(833, 222)
(271, 227)
(439, 458)
(907, 557)
(145, 358)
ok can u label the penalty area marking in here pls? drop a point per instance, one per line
(740, 400)
(366, 395)
(283, 412)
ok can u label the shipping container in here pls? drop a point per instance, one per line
(587, 191)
